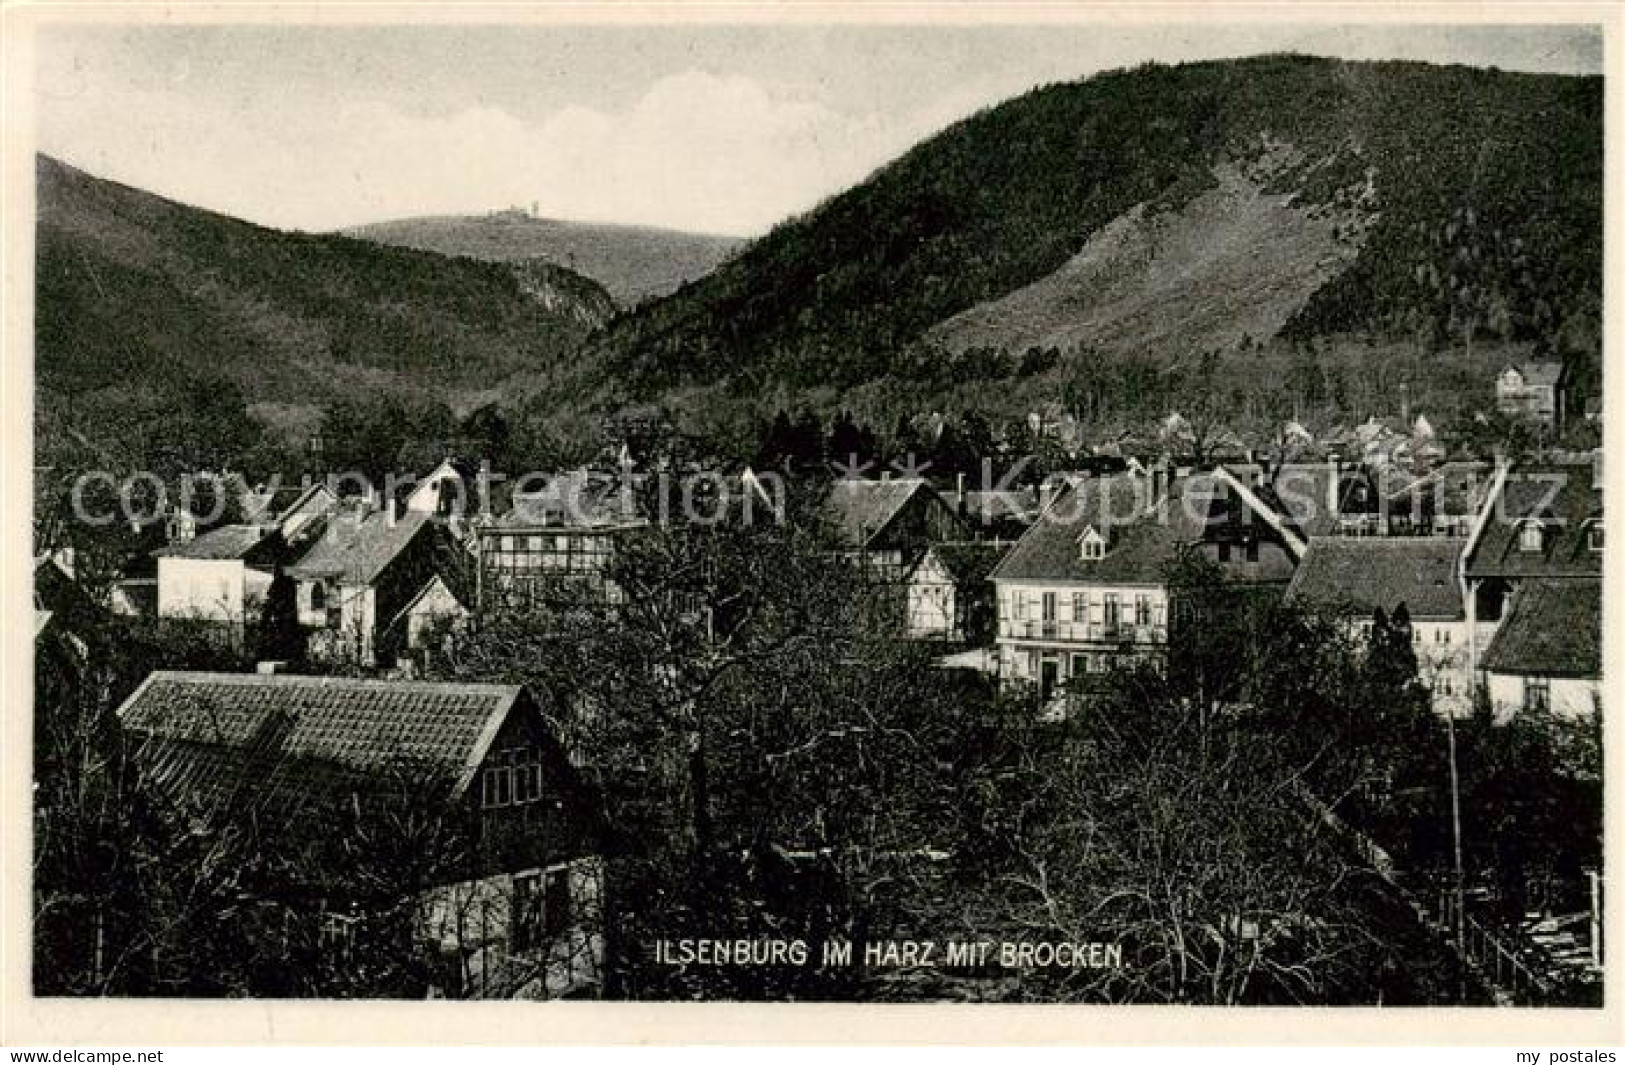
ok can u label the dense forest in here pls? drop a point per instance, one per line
(1478, 194)
(157, 321)
(1457, 213)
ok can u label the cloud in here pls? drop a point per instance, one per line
(696, 151)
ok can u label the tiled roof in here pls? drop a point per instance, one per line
(1553, 627)
(990, 506)
(1366, 573)
(1559, 495)
(274, 504)
(356, 552)
(207, 734)
(968, 563)
(1141, 538)
(228, 541)
(860, 510)
(578, 498)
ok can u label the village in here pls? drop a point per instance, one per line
(349, 646)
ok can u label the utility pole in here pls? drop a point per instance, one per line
(1455, 824)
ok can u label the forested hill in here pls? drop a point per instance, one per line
(633, 263)
(1293, 196)
(148, 310)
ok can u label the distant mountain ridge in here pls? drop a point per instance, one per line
(632, 262)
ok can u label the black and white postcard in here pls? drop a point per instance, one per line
(844, 506)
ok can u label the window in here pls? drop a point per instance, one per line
(318, 596)
(1018, 604)
(1142, 610)
(1080, 606)
(1049, 607)
(1091, 545)
(336, 937)
(1112, 613)
(1537, 694)
(1224, 551)
(1080, 664)
(1594, 536)
(1530, 539)
(527, 912)
(512, 778)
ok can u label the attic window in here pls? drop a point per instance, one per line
(1091, 545)
(512, 778)
(1530, 538)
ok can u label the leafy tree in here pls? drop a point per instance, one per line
(281, 636)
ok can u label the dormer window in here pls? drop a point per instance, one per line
(1091, 545)
(1531, 538)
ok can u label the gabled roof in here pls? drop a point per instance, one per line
(356, 552)
(1299, 491)
(996, 505)
(1144, 536)
(226, 542)
(1538, 373)
(206, 734)
(967, 563)
(861, 510)
(452, 588)
(580, 498)
(1561, 496)
(1553, 628)
(1367, 573)
(275, 505)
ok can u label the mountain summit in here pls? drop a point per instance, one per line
(1166, 212)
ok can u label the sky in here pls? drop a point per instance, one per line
(707, 128)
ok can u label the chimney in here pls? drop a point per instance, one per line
(1046, 494)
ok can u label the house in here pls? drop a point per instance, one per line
(219, 576)
(1540, 532)
(556, 541)
(1356, 577)
(1547, 652)
(1534, 390)
(364, 571)
(328, 768)
(442, 609)
(948, 594)
(885, 526)
(445, 493)
(1319, 498)
(1086, 588)
(1442, 502)
(296, 512)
